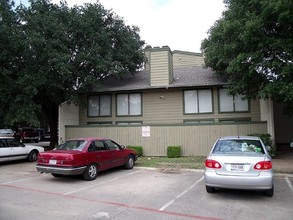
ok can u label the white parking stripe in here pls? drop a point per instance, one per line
(181, 194)
(289, 183)
(111, 180)
(19, 180)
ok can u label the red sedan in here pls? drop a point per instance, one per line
(85, 156)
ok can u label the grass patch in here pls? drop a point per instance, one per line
(196, 162)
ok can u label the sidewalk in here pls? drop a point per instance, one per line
(283, 162)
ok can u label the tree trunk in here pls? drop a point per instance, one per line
(53, 123)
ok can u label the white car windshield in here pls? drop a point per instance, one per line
(72, 145)
(238, 146)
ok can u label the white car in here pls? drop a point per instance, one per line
(12, 149)
(239, 163)
(6, 133)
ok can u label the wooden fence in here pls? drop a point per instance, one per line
(193, 139)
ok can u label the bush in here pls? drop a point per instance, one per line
(138, 149)
(173, 151)
(266, 139)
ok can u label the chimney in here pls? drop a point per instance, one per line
(160, 66)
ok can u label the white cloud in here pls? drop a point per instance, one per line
(180, 24)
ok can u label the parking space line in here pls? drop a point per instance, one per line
(289, 183)
(146, 209)
(19, 180)
(181, 194)
(101, 183)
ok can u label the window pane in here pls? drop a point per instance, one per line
(205, 101)
(122, 123)
(190, 101)
(122, 104)
(135, 104)
(105, 105)
(226, 101)
(240, 104)
(93, 106)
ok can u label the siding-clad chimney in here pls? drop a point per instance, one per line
(160, 66)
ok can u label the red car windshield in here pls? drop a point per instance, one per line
(72, 145)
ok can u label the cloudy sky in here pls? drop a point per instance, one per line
(179, 24)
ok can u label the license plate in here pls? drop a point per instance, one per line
(54, 162)
(237, 167)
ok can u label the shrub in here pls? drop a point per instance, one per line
(138, 149)
(266, 139)
(173, 151)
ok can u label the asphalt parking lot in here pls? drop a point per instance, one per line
(132, 194)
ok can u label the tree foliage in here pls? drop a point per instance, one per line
(252, 45)
(53, 53)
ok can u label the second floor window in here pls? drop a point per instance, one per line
(198, 101)
(232, 103)
(129, 104)
(99, 105)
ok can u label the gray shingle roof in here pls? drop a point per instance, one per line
(183, 77)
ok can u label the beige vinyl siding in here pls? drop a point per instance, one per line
(161, 106)
(193, 139)
(170, 58)
(187, 59)
(161, 67)
(255, 110)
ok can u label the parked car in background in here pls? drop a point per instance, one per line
(27, 134)
(6, 133)
(239, 163)
(86, 157)
(41, 133)
(12, 149)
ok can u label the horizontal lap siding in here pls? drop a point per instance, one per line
(187, 60)
(194, 140)
(159, 68)
(162, 107)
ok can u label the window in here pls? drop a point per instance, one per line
(112, 145)
(99, 105)
(96, 146)
(129, 104)
(232, 103)
(13, 143)
(198, 101)
(234, 120)
(128, 122)
(102, 123)
(2, 143)
(240, 146)
(198, 121)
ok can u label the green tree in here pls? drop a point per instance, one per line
(252, 46)
(10, 59)
(64, 53)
